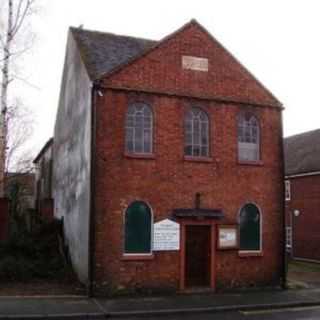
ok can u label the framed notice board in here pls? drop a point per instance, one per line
(228, 236)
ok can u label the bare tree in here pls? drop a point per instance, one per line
(14, 21)
(19, 122)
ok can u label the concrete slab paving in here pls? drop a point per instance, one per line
(83, 308)
(206, 300)
(43, 307)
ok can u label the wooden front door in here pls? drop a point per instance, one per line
(197, 256)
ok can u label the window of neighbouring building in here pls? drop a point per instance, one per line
(139, 127)
(288, 237)
(287, 190)
(196, 133)
(138, 221)
(248, 137)
(250, 228)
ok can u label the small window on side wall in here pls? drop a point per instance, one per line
(287, 190)
(196, 133)
(139, 129)
(138, 220)
(248, 138)
(288, 238)
(250, 228)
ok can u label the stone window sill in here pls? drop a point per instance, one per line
(140, 155)
(250, 163)
(244, 254)
(137, 257)
(198, 159)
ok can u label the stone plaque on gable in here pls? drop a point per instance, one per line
(166, 235)
(195, 63)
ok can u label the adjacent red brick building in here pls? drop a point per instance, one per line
(302, 168)
(166, 154)
(43, 163)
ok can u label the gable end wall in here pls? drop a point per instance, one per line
(160, 71)
(71, 158)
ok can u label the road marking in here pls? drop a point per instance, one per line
(255, 312)
(100, 306)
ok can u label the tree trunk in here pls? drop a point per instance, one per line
(4, 94)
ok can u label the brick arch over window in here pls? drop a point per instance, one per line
(196, 133)
(250, 228)
(139, 128)
(248, 137)
(138, 222)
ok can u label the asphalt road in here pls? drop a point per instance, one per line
(310, 313)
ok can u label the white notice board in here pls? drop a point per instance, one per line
(166, 235)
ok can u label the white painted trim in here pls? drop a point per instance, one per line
(208, 131)
(124, 253)
(137, 254)
(261, 234)
(315, 173)
(241, 116)
(149, 107)
(250, 251)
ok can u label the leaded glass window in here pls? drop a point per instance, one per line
(250, 228)
(138, 220)
(139, 126)
(288, 238)
(287, 190)
(248, 138)
(196, 133)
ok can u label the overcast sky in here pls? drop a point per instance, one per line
(278, 41)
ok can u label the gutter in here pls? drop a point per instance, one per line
(284, 249)
(91, 245)
(306, 174)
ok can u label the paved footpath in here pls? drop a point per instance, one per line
(83, 308)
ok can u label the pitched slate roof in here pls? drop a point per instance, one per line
(102, 52)
(302, 153)
(43, 150)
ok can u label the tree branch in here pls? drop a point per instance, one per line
(17, 13)
(18, 53)
(16, 77)
(15, 124)
(20, 19)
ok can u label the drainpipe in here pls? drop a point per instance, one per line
(284, 251)
(91, 236)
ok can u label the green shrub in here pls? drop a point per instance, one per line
(33, 255)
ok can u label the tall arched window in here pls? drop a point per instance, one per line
(139, 125)
(196, 133)
(248, 137)
(250, 228)
(138, 220)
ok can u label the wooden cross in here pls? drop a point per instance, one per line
(197, 200)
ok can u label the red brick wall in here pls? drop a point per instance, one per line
(168, 181)
(160, 71)
(305, 198)
(4, 218)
